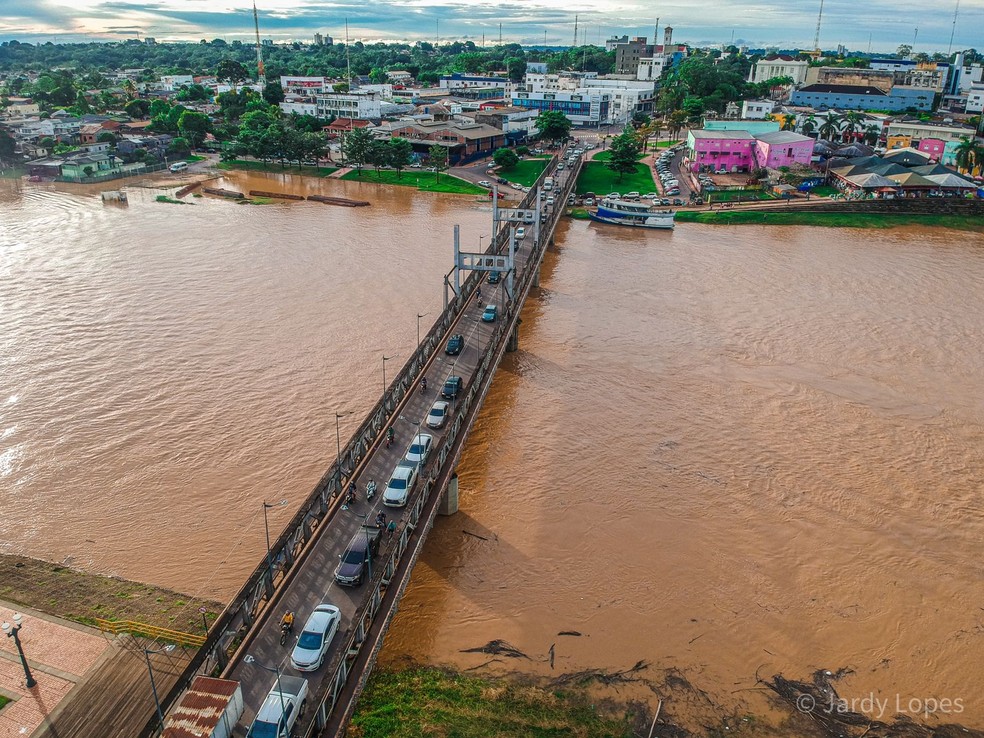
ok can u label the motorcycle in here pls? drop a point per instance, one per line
(371, 489)
(285, 631)
(390, 435)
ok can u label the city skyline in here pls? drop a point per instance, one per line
(880, 24)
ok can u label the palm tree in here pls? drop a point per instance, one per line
(871, 134)
(851, 124)
(969, 155)
(676, 122)
(830, 126)
(809, 125)
(789, 123)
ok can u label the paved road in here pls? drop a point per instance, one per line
(312, 579)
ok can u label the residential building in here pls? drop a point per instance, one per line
(975, 99)
(849, 97)
(918, 130)
(628, 54)
(22, 106)
(720, 151)
(399, 76)
(935, 147)
(782, 149)
(464, 142)
(756, 109)
(98, 165)
(779, 66)
(457, 81)
(614, 41)
(172, 82)
(582, 108)
(349, 105)
(307, 85)
(536, 67)
(341, 126)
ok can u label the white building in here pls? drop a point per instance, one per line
(301, 106)
(652, 68)
(171, 82)
(586, 108)
(628, 96)
(756, 109)
(780, 66)
(349, 105)
(975, 99)
(307, 85)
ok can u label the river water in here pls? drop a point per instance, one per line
(720, 450)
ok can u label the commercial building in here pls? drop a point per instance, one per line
(582, 108)
(307, 85)
(918, 130)
(515, 122)
(349, 105)
(782, 149)
(628, 96)
(464, 141)
(457, 81)
(733, 149)
(628, 54)
(779, 66)
(850, 97)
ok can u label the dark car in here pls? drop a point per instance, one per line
(358, 556)
(455, 344)
(502, 180)
(494, 277)
(452, 387)
(677, 201)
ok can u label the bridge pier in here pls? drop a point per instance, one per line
(449, 501)
(536, 277)
(512, 343)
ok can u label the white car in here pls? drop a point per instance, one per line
(398, 489)
(520, 232)
(419, 450)
(550, 199)
(319, 630)
(438, 414)
(484, 183)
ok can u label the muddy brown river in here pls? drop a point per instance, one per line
(721, 450)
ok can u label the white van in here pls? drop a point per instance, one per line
(178, 166)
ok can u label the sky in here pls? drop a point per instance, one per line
(881, 25)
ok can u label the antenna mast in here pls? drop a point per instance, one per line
(348, 61)
(956, 10)
(260, 73)
(816, 37)
(575, 29)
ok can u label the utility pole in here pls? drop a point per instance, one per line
(575, 29)
(348, 60)
(260, 73)
(500, 34)
(438, 36)
(656, 35)
(914, 37)
(816, 37)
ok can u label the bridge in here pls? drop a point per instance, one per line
(297, 574)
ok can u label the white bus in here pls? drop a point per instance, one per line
(179, 166)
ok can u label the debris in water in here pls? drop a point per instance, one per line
(498, 648)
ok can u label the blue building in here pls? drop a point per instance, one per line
(855, 97)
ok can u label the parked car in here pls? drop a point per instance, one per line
(495, 277)
(589, 201)
(502, 180)
(484, 183)
(357, 557)
(455, 344)
(677, 201)
(490, 314)
(650, 196)
(419, 449)
(438, 414)
(665, 201)
(452, 386)
(614, 195)
(398, 488)
(312, 645)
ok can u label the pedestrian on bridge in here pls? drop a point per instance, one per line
(390, 529)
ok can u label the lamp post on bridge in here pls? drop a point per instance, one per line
(338, 449)
(250, 659)
(266, 528)
(12, 631)
(153, 685)
(385, 359)
(419, 316)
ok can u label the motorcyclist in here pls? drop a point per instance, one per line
(423, 383)
(389, 434)
(287, 621)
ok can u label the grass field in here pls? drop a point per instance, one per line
(194, 157)
(824, 191)
(425, 181)
(526, 172)
(262, 166)
(434, 702)
(736, 195)
(597, 178)
(829, 220)
(666, 144)
(606, 155)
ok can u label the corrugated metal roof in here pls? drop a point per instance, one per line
(200, 708)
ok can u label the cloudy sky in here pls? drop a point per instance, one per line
(884, 24)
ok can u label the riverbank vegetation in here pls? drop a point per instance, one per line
(75, 595)
(827, 219)
(422, 180)
(263, 166)
(431, 701)
(171, 200)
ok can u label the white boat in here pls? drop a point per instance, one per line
(636, 214)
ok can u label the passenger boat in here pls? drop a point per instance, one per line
(636, 214)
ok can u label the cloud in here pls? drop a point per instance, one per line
(789, 23)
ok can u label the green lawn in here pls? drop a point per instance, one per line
(194, 157)
(828, 220)
(597, 178)
(435, 702)
(666, 144)
(425, 181)
(3, 701)
(262, 166)
(736, 195)
(527, 171)
(606, 155)
(825, 191)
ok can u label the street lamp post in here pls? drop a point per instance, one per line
(250, 659)
(338, 449)
(12, 631)
(385, 359)
(266, 528)
(419, 316)
(480, 241)
(153, 684)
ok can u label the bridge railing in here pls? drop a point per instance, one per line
(232, 627)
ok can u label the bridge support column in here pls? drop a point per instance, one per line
(536, 277)
(449, 502)
(512, 343)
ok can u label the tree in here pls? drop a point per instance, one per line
(48, 144)
(809, 125)
(137, 108)
(623, 154)
(871, 134)
(553, 125)
(676, 122)
(400, 154)
(640, 119)
(969, 155)
(107, 137)
(830, 126)
(231, 71)
(87, 171)
(357, 147)
(193, 126)
(379, 154)
(789, 122)
(505, 158)
(516, 68)
(273, 93)
(178, 146)
(851, 124)
(437, 156)
(7, 146)
(903, 51)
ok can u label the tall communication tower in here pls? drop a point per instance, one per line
(956, 10)
(816, 36)
(260, 73)
(575, 29)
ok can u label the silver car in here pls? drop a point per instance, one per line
(319, 630)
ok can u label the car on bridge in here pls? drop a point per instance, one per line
(452, 386)
(398, 489)
(455, 344)
(419, 450)
(319, 630)
(490, 314)
(494, 277)
(281, 708)
(520, 232)
(438, 414)
(358, 556)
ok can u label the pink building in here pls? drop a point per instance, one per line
(720, 151)
(782, 149)
(933, 147)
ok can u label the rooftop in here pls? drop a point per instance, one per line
(783, 137)
(723, 135)
(844, 90)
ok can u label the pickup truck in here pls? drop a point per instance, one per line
(281, 708)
